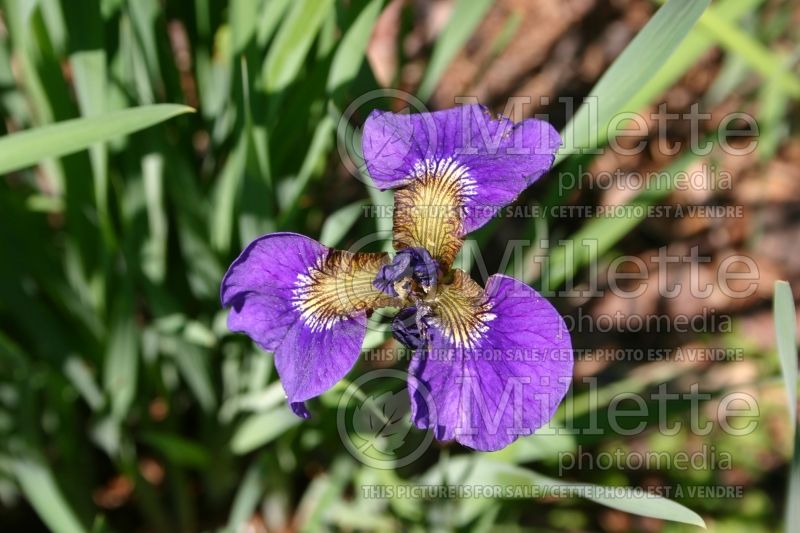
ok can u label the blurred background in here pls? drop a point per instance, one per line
(125, 404)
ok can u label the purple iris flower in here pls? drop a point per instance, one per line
(489, 363)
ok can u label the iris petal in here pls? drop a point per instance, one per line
(498, 363)
(300, 409)
(305, 302)
(456, 167)
(428, 211)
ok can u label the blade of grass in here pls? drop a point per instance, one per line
(466, 16)
(247, 496)
(89, 79)
(82, 379)
(324, 493)
(339, 223)
(27, 148)
(690, 50)
(192, 364)
(786, 338)
(257, 213)
(144, 14)
(260, 429)
(321, 143)
(294, 39)
(350, 137)
(605, 231)
(154, 254)
(121, 366)
(351, 51)
(227, 190)
(39, 63)
(243, 19)
(758, 56)
(475, 469)
(41, 490)
(773, 123)
(792, 515)
(627, 499)
(179, 450)
(271, 15)
(640, 60)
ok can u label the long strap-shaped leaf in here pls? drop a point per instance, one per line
(481, 469)
(26, 148)
(40, 488)
(640, 60)
(786, 338)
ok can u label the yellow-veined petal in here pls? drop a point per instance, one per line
(429, 211)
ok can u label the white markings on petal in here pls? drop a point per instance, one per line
(308, 299)
(429, 211)
(448, 170)
(461, 312)
(338, 286)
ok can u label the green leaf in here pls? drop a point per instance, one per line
(144, 15)
(639, 62)
(271, 16)
(786, 335)
(82, 379)
(383, 201)
(192, 362)
(261, 429)
(154, 254)
(773, 102)
(691, 49)
(467, 14)
(324, 494)
(604, 231)
(317, 151)
(89, 78)
(793, 493)
(122, 358)
(225, 195)
(294, 39)
(247, 496)
(627, 499)
(244, 16)
(339, 223)
(481, 470)
(26, 148)
(40, 488)
(351, 51)
(760, 58)
(178, 450)
(377, 331)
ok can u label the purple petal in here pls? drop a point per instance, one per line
(305, 302)
(493, 158)
(494, 378)
(310, 362)
(300, 409)
(259, 283)
(393, 142)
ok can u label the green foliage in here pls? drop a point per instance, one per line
(643, 58)
(786, 336)
(29, 147)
